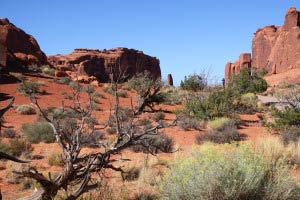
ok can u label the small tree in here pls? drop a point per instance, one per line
(194, 82)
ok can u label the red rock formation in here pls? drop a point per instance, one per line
(274, 48)
(101, 64)
(20, 46)
(244, 61)
(277, 49)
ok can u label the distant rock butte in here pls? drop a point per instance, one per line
(103, 63)
(274, 48)
(18, 47)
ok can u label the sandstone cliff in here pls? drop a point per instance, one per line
(101, 64)
(274, 48)
(17, 47)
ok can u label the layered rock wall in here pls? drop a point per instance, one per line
(244, 61)
(274, 48)
(102, 64)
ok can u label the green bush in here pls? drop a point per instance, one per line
(65, 80)
(244, 82)
(287, 118)
(229, 172)
(38, 132)
(194, 82)
(131, 174)
(25, 110)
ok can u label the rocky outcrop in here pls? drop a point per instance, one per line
(274, 48)
(244, 61)
(102, 64)
(20, 47)
(170, 80)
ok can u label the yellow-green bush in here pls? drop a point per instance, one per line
(230, 172)
(25, 110)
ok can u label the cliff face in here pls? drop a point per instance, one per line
(275, 48)
(244, 61)
(19, 47)
(102, 64)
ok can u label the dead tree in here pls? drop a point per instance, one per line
(76, 175)
(148, 90)
(4, 110)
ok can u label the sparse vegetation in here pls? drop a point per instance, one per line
(25, 110)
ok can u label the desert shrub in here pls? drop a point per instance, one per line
(158, 116)
(244, 82)
(66, 95)
(143, 122)
(147, 196)
(109, 90)
(111, 130)
(187, 123)
(48, 70)
(20, 146)
(55, 159)
(123, 94)
(217, 103)
(4, 148)
(229, 172)
(65, 80)
(287, 118)
(194, 82)
(219, 123)
(248, 102)
(38, 132)
(25, 110)
(92, 140)
(291, 135)
(131, 174)
(29, 87)
(34, 68)
(9, 133)
(155, 144)
(224, 131)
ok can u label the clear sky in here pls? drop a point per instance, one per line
(186, 35)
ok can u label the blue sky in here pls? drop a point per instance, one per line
(186, 35)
